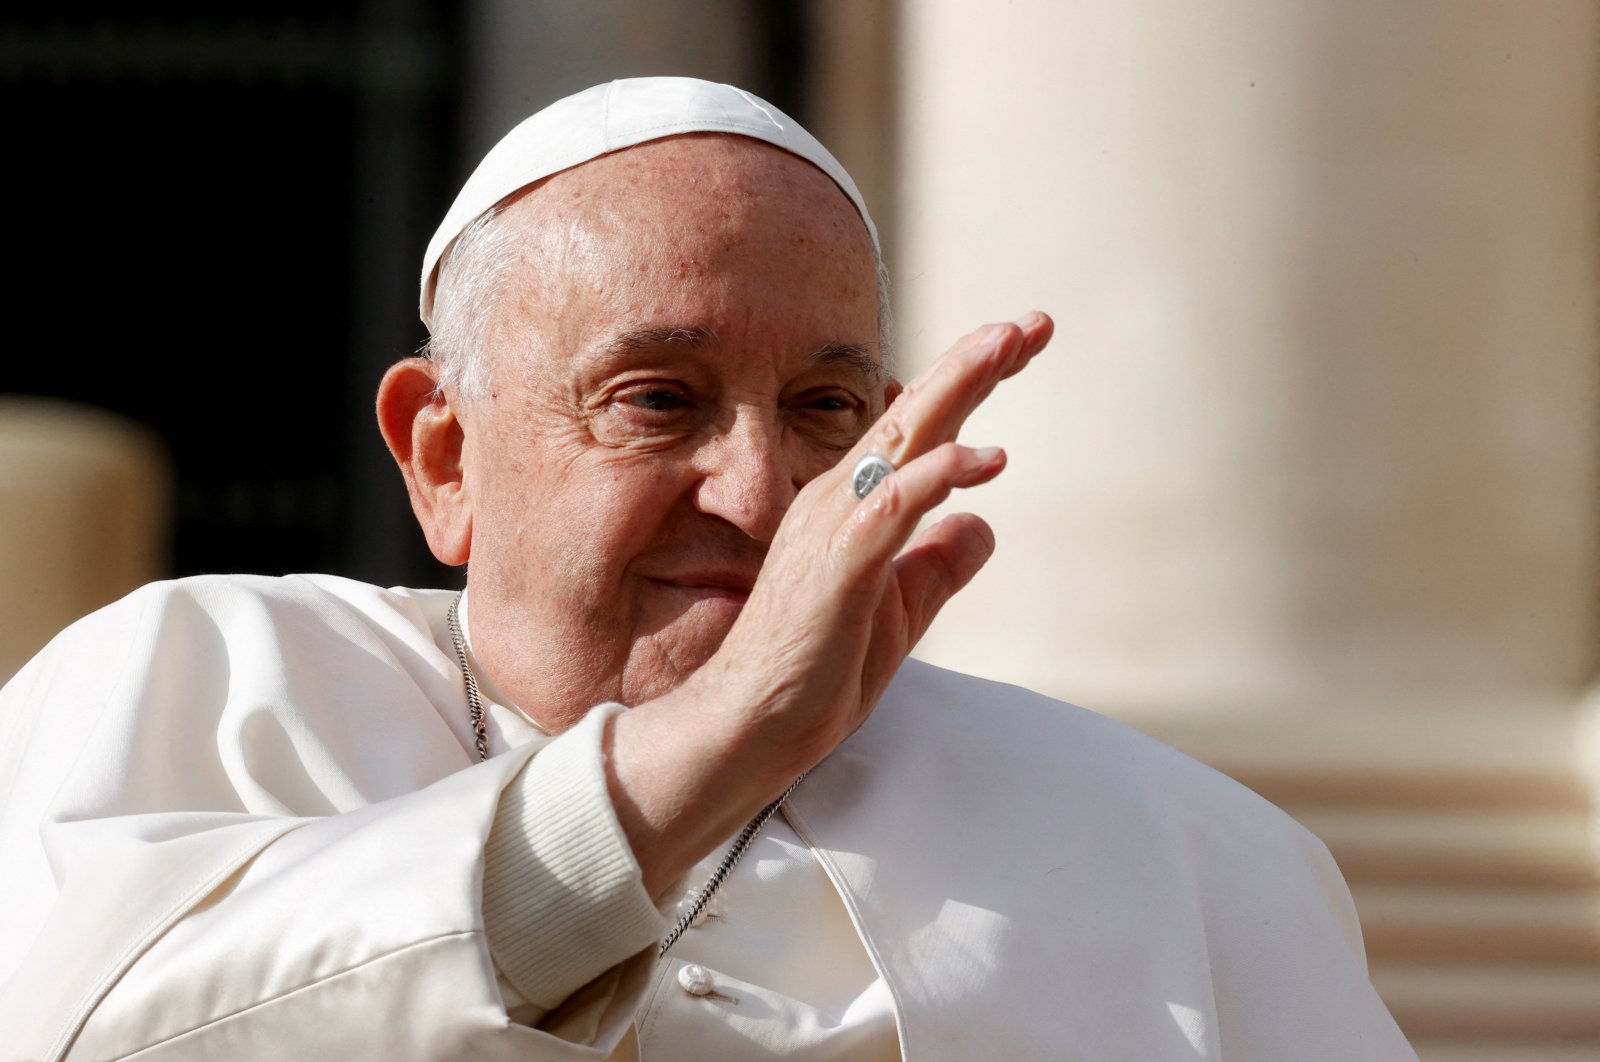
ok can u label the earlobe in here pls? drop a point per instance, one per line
(428, 442)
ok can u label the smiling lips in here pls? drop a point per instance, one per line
(729, 585)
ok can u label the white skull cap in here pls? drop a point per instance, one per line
(611, 117)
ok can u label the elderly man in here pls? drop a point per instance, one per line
(309, 818)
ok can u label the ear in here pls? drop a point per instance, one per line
(427, 440)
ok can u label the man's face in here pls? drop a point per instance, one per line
(690, 337)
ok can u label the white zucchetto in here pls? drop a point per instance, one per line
(611, 117)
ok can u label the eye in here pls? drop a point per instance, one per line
(652, 399)
(656, 399)
(832, 418)
(649, 412)
(829, 401)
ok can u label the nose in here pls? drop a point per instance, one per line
(746, 478)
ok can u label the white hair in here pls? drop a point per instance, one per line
(472, 288)
(470, 291)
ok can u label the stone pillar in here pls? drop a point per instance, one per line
(1321, 413)
(85, 517)
(525, 54)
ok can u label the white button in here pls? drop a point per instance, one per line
(696, 980)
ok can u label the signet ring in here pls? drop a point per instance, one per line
(870, 471)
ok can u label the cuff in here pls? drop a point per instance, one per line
(563, 897)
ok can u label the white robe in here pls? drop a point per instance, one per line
(242, 820)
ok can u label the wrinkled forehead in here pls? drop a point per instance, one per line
(607, 119)
(694, 230)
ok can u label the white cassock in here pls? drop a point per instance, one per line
(243, 820)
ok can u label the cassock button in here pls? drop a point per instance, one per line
(696, 980)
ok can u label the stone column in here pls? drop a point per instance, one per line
(85, 517)
(529, 53)
(1321, 413)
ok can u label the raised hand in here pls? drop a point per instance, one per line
(839, 602)
(844, 595)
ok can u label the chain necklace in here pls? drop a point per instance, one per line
(474, 701)
(724, 868)
(729, 861)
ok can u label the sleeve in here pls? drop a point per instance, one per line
(237, 827)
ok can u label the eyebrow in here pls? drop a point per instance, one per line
(649, 338)
(851, 355)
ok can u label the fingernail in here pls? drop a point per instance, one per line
(1026, 319)
(984, 455)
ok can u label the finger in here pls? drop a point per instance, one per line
(934, 406)
(882, 522)
(932, 409)
(939, 562)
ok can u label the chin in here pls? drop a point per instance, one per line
(691, 618)
(664, 657)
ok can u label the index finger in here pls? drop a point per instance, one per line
(934, 406)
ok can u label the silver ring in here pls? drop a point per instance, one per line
(870, 471)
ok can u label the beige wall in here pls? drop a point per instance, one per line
(1321, 412)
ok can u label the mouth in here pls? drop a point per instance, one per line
(711, 585)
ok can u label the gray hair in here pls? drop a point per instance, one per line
(471, 291)
(468, 296)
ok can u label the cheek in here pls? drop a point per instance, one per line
(810, 461)
(599, 515)
(814, 448)
(521, 494)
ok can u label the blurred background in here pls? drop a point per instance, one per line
(1306, 484)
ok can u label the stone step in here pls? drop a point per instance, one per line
(1534, 1006)
(1448, 790)
(1527, 849)
(1381, 753)
(1467, 926)
(1433, 1051)
(1468, 835)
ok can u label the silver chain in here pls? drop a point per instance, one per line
(724, 868)
(729, 861)
(474, 701)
